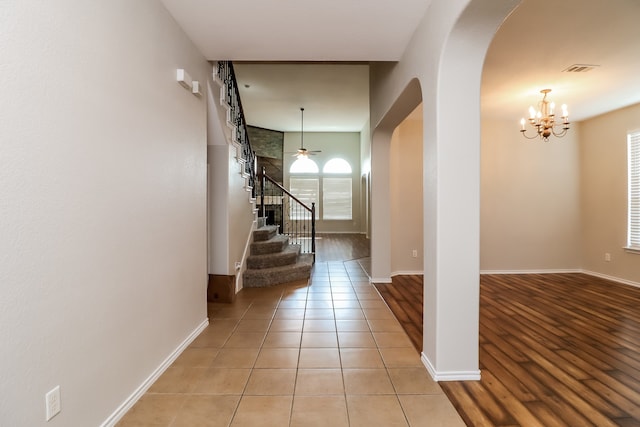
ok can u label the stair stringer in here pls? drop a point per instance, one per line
(230, 220)
(230, 133)
(242, 265)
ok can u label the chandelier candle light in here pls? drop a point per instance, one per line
(544, 120)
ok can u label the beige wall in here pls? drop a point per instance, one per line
(560, 205)
(406, 197)
(604, 193)
(530, 200)
(103, 204)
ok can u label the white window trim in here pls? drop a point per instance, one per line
(633, 195)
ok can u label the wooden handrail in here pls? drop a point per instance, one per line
(284, 190)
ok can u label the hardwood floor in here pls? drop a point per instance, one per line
(404, 298)
(555, 350)
(341, 247)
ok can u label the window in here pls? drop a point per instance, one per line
(337, 165)
(332, 188)
(336, 198)
(336, 192)
(305, 190)
(633, 227)
(303, 165)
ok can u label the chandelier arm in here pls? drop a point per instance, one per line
(559, 134)
(523, 132)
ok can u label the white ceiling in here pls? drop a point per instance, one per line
(542, 38)
(335, 97)
(535, 44)
(299, 30)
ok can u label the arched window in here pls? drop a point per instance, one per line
(304, 165)
(337, 165)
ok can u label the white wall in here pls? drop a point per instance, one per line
(603, 142)
(406, 197)
(345, 145)
(530, 204)
(102, 200)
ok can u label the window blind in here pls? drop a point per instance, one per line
(305, 190)
(633, 234)
(336, 198)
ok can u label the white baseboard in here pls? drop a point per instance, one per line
(380, 280)
(338, 232)
(407, 273)
(612, 278)
(141, 390)
(449, 375)
(552, 271)
(542, 271)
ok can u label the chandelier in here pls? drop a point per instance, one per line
(544, 120)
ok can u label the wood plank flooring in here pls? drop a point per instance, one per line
(404, 298)
(555, 350)
(341, 247)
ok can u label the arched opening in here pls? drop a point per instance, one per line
(445, 65)
(381, 248)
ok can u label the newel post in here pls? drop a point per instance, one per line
(262, 181)
(313, 230)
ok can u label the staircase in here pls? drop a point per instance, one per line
(273, 260)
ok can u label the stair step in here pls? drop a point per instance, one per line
(264, 233)
(260, 278)
(276, 244)
(287, 257)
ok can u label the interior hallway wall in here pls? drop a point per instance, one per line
(103, 204)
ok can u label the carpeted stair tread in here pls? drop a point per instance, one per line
(265, 233)
(258, 278)
(276, 244)
(287, 256)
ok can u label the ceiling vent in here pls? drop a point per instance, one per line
(579, 68)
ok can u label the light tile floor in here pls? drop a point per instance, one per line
(327, 353)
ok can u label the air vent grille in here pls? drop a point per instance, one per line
(579, 68)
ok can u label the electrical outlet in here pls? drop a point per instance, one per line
(607, 256)
(414, 253)
(52, 401)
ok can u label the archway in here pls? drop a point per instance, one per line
(442, 66)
